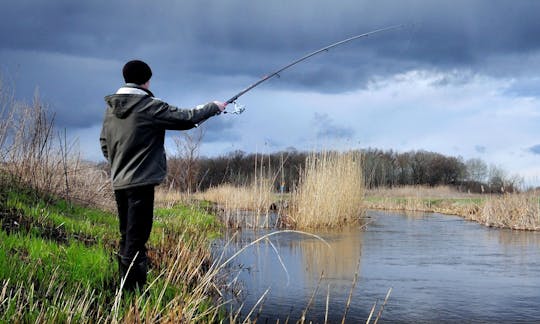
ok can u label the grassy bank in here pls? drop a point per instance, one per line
(57, 263)
(520, 211)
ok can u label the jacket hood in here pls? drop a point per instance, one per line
(123, 104)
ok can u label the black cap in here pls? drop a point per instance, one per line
(136, 72)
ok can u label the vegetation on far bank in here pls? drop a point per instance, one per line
(519, 211)
(379, 169)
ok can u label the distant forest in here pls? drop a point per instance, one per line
(380, 168)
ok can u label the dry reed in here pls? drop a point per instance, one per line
(515, 211)
(418, 192)
(519, 211)
(330, 192)
(256, 197)
(168, 198)
(36, 155)
(242, 206)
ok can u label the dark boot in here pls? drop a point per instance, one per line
(140, 272)
(134, 275)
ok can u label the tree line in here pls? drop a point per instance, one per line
(189, 172)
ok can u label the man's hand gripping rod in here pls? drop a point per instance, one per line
(238, 109)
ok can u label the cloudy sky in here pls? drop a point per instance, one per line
(463, 81)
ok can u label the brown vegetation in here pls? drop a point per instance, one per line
(330, 192)
(512, 210)
(38, 156)
(516, 211)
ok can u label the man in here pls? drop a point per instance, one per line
(132, 140)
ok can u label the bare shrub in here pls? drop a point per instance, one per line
(185, 166)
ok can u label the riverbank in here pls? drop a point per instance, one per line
(58, 263)
(519, 211)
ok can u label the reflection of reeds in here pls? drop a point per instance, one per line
(339, 261)
(330, 192)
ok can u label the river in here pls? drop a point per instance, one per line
(440, 268)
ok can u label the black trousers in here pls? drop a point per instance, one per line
(136, 213)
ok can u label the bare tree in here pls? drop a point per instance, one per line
(477, 170)
(184, 169)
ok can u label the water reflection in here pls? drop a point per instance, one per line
(311, 265)
(441, 268)
(338, 261)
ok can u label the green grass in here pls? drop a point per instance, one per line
(58, 264)
(24, 257)
(34, 266)
(60, 214)
(187, 218)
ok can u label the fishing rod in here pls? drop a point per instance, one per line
(239, 109)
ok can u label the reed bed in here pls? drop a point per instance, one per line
(515, 211)
(330, 192)
(419, 192)
(460, 207)
(242, 206)
(520, 211)
(256, 197)
(168, 198)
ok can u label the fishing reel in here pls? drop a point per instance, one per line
(238, 109)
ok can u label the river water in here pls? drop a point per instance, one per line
(440, 268)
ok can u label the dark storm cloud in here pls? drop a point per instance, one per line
(74, 50)
(327, 128)
(216, 129)
(252, 32)
(535, 149)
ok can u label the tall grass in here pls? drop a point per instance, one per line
(330, 192)
(512, 210)
(34, 153)
(257, 197)
(238, 203)
(243, 205)
(516, 211)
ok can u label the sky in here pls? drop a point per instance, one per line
(462, 79)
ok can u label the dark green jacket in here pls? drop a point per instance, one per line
(133, 134)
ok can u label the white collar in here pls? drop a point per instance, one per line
(130, 90)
